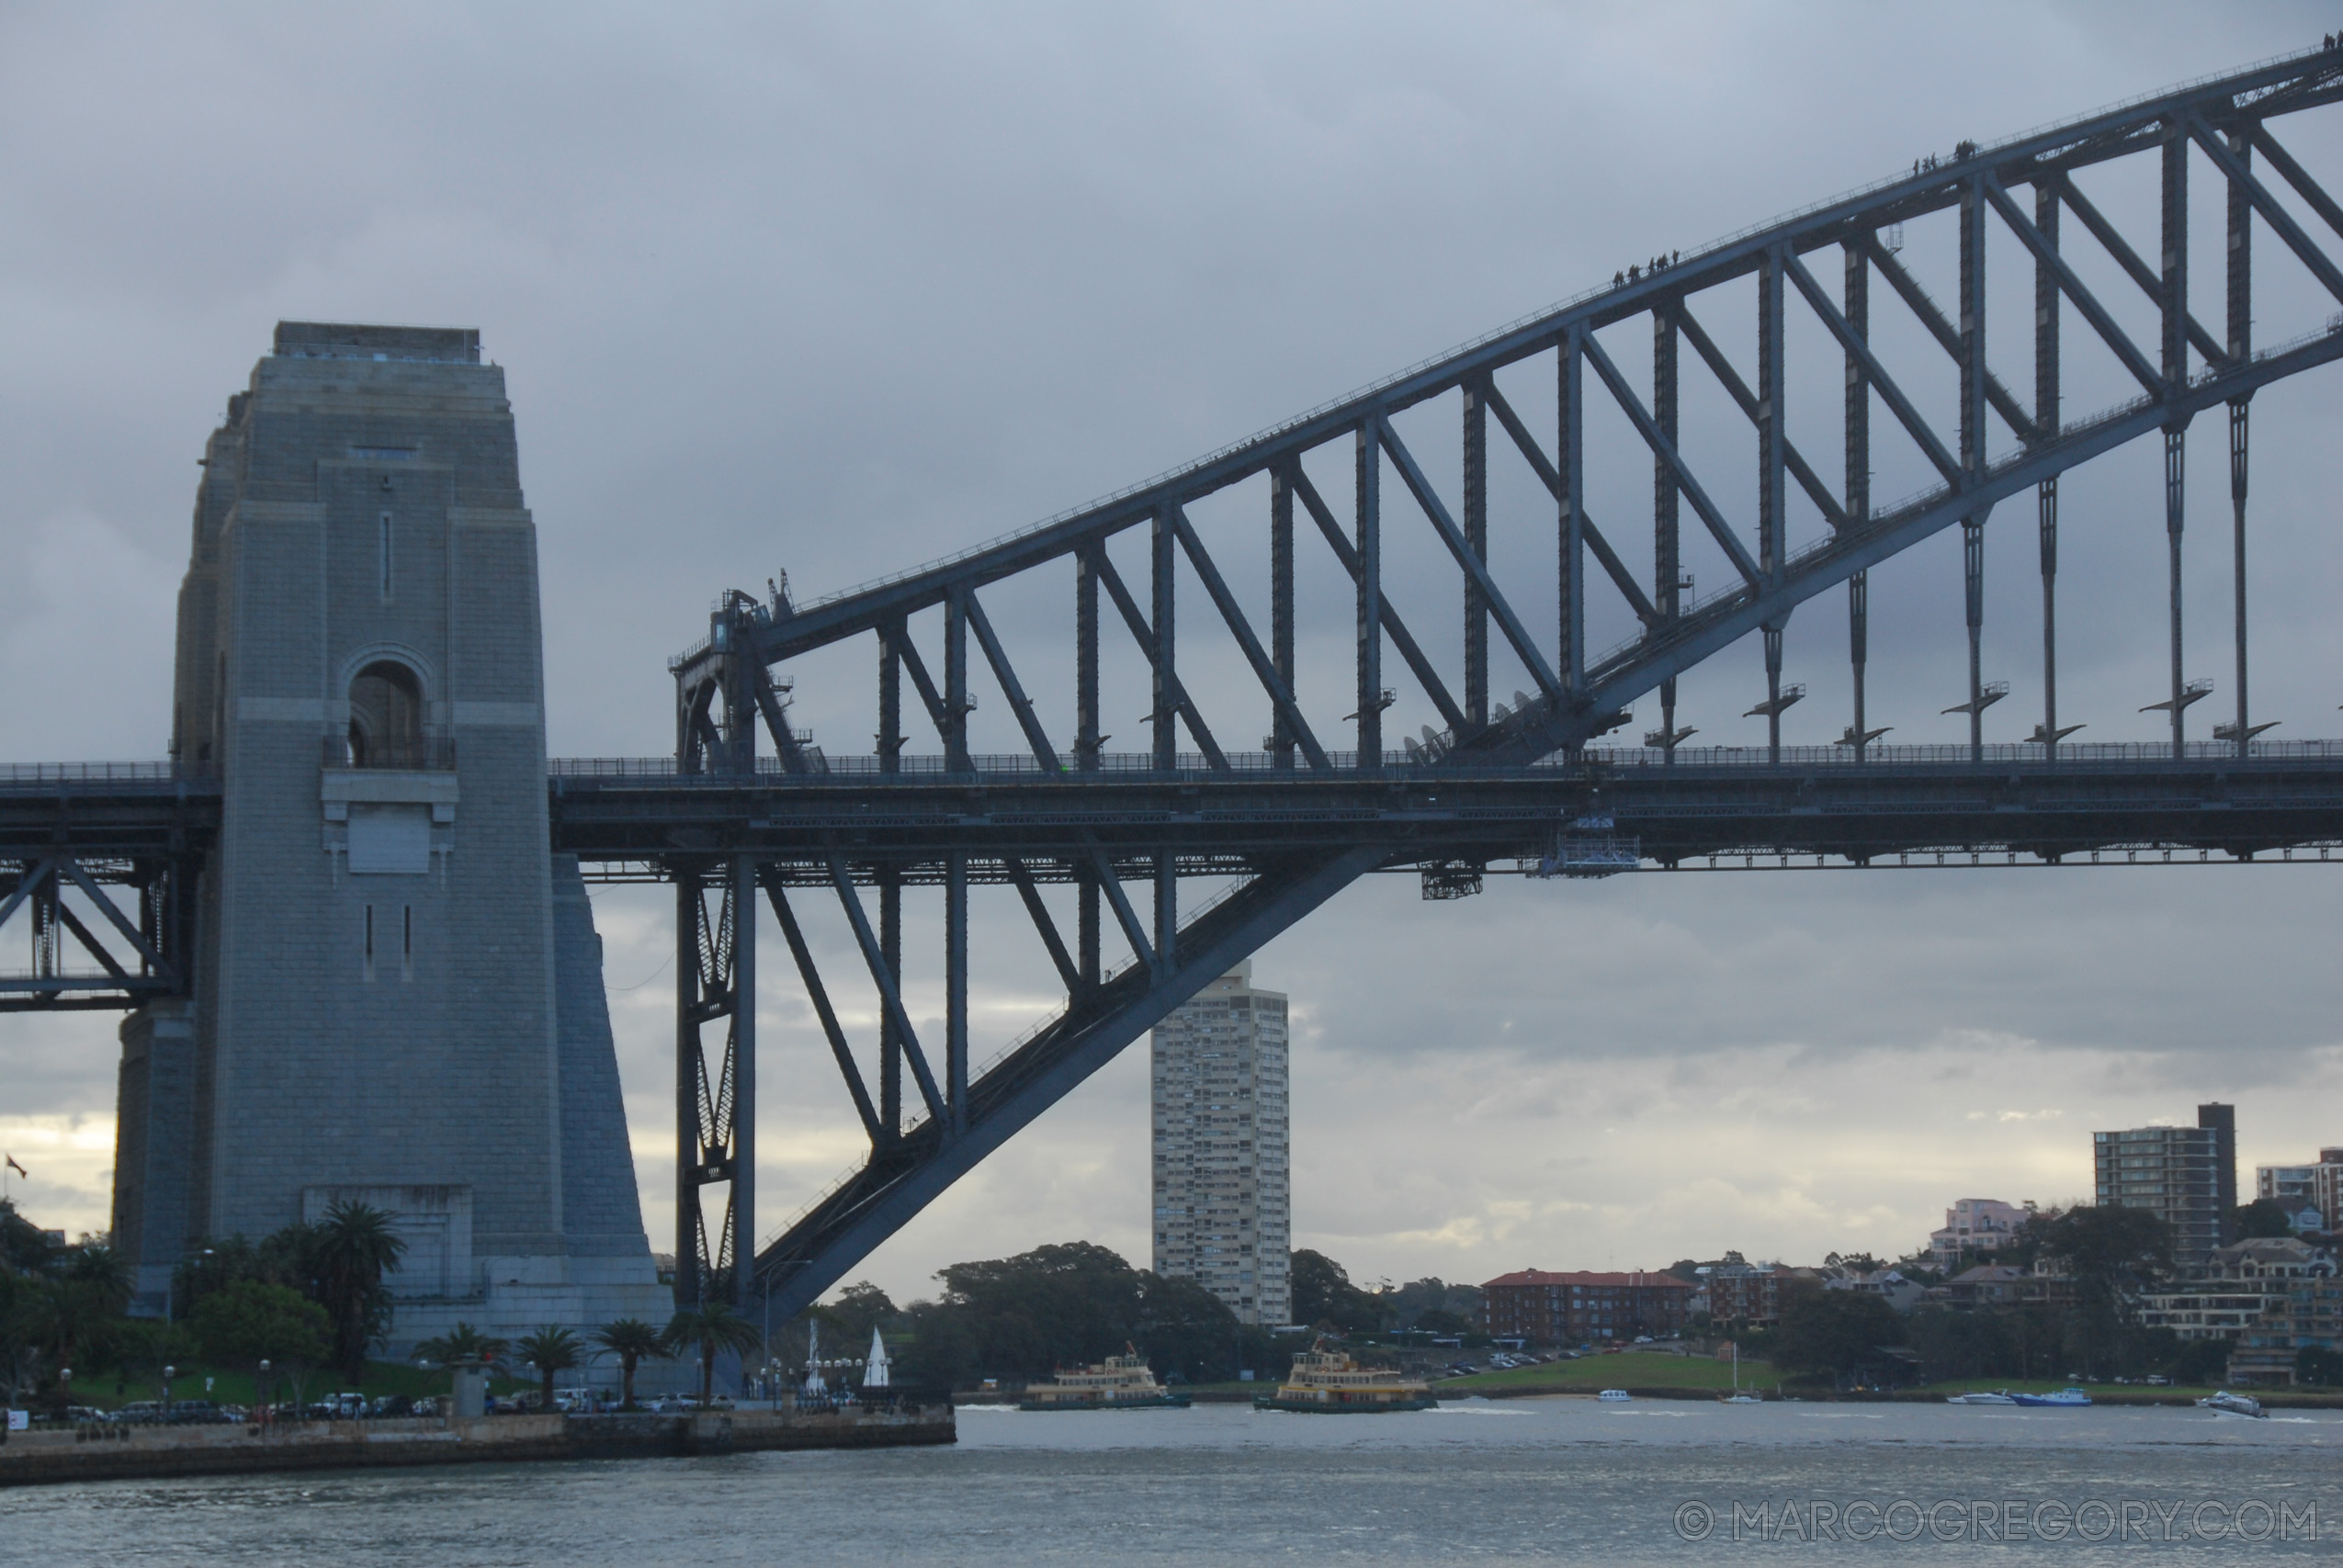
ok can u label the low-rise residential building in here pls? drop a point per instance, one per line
(1581, 1308)
(2005, 1284)
(2313, 1193)
(1749, 1293)
(1888, 1284)
(2228, 1294)
(1975, 1225)
(2307, 1314)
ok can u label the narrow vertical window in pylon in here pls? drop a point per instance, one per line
(407, 942)
(369, 951)
(383, 558)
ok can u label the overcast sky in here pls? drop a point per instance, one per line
(840, 289)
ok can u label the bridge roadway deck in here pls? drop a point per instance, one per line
(631, 817)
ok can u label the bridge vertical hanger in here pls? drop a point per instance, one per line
(1973, 446)
(1367, 542)
(2046, 397)
(955, 682)
(1570, 466)
(1667, 551)
(1857, 298)
(1164, 630)
(889, 877)
(739, 1051)
(1281, 609)
(1089, 741)
(1476, 468)
(2175, 302)
(1773, 493)
(2240, 345)
(1164, 542)
(956, 993)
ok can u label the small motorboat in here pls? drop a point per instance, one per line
(1740, 1399)
(1612, 1396)
(2002, 1396)
(2227, 1403)
(2068, 1398)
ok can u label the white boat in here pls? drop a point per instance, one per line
(2227, 1403)
(1740, 1399)
(2068, 1398)
(2002, 1397)
(1612, 1396)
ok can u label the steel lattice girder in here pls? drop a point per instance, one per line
(97, 831)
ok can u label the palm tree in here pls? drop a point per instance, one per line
(463, 1343)
(355, 1247)
(550, 1350)
(712, 1326)
(629, 1339)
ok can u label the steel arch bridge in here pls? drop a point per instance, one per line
(750, 811)
(1297, 820)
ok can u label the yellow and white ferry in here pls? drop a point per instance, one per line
(1120, 1383)
(1330, 1381)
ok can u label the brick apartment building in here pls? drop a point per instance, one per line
(1574, 1309)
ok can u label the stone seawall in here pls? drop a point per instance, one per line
(119, 1453)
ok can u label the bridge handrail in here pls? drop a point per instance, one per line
(1382, 384)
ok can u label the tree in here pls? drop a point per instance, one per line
(24, 1246)
(712, 1326)
(250, 1322)
(1183, 1326)
(355, 1248)
(2262, 1217)
(860, 1307)
(1324, 1296)
(550, 1350)
(2113, 1252)
(1060, 1306)
(1833, 1333)
(630, 1339)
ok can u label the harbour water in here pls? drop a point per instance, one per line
(1516, 1481)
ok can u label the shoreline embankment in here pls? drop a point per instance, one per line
(118, 1453)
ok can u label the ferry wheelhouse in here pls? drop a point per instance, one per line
(1120, 1383)
(1330, 1382)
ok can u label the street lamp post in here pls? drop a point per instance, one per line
(261, 1393)
(169, 1372)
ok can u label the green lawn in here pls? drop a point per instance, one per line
(236, 1388)
(1629, 1369)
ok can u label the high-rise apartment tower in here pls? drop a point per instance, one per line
(2187, 1175)
(1223, 1200)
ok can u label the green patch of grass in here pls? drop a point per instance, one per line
(237, 1388)
(1629, 1369)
